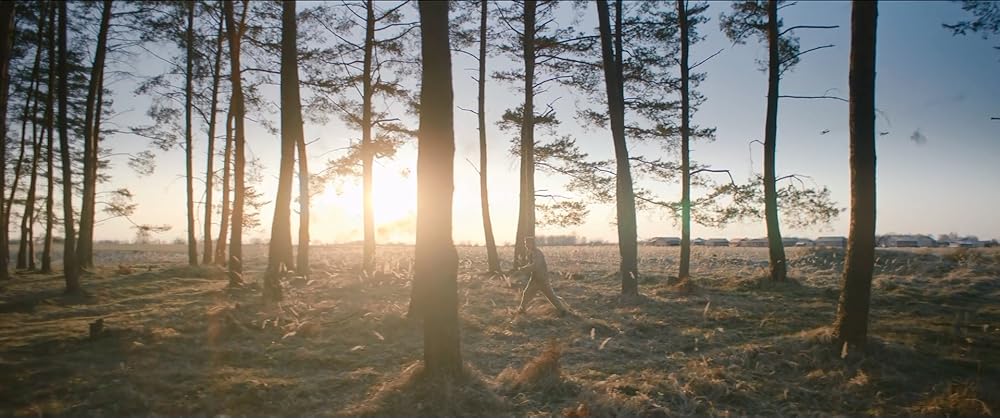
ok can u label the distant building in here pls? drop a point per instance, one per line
(838, 242)
(789, 241)
(756, 242)
(805, 242)
(967, 244)
(698, 241)
(664, 241)
(908, 241)
(717, 242)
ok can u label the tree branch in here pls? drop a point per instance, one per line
(815, 97)
(805, 52)
(705, 60)
(807, 27)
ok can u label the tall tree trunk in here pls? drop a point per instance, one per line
(492, 258)
(192, 244)
(50, 145)
(25, 248)
(526, 207)
(685, 261)
(436, 261)
(6, 41)
(367, 154)
(220, 244)
(851, 323)
(613, 80)
(27, 115)
(239, 186)
(280, 254)
(70, 268)
(779, 269)
(302, 258)
(85, 246)
(210, 169)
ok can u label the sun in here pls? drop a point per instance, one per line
(394, 201)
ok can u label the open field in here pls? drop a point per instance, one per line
(178, 342)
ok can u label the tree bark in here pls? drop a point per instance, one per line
(492, 257)
(436, 261)
(625, 198)
(851, 323)
(220, 244)
(207, 254)
(6, 41)
(367, 156)
(280, 255)
(235, 266)
(684, 272)
(526, 207)
(776, 249)
(70, 269)
(50, 145)
(25, 248)
(192, 244)
(85, 246)
(302, 257)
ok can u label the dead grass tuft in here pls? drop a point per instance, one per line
(954, 399)
(541, 373)
(415, 392)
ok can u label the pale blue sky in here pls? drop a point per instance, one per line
(929, 81)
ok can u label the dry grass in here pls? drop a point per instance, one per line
(178, 342)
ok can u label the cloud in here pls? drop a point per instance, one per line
(918, 137)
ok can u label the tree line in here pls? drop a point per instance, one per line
(376, 67)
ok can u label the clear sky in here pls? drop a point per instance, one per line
(938, 167)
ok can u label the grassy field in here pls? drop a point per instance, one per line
(178, 342)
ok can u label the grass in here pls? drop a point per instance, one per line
(178, 342)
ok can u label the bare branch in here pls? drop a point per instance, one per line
(804, 52)
(705, 60)
(815, 97)
(807, 27)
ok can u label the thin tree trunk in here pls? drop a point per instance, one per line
(367, 155)
(239, 186)
(776, 252)
(436, 261)
(526, 212)
(685, 261)
(280, 254)
(85, 246)
(6, 40)
(492, 258)
(625, 207)
(192, 244)
(50, 145)
(220, 244)
(210, 169)
(70, 269)
(28, 114)
(302, 258)
(851, 323)
(25, 248)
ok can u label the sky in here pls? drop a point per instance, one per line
(938, 167)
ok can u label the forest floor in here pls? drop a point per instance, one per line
(178, 342)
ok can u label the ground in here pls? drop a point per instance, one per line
(176, 341)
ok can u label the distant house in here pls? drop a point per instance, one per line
(717, 242)
(838, 242)
(908, 241)
(737, 242)
(698, 241)
(756, 242)
(664, 241)
(789, 241)
(805, 242)
(967, 244)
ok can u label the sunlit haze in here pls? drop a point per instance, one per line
(937, 165)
